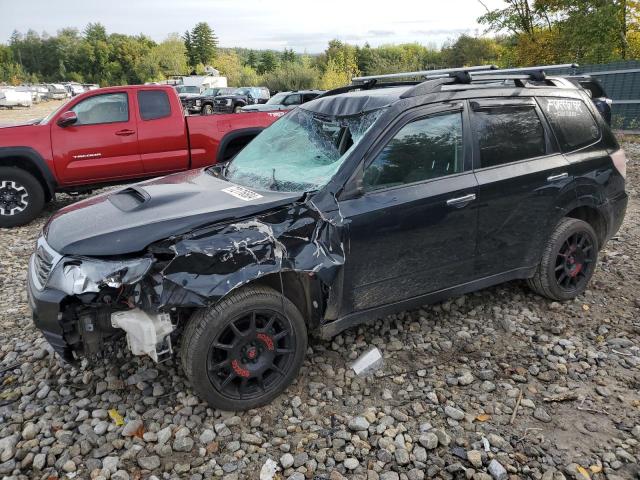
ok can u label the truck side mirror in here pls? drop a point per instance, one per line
(67, 118)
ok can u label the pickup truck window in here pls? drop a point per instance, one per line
(153, 104)
(106, 108)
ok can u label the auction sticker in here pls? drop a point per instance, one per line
(242, 193)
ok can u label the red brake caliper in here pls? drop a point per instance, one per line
(237, 368)
(267, 340)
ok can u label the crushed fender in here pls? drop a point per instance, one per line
(211, 262)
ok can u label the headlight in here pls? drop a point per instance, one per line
(81, 275)
(228, 101)
(198, 102)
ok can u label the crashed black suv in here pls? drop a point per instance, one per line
(370, 199)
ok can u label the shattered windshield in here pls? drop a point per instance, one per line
(299, 152)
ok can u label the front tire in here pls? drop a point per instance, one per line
(568, 261)
(207, 110)
(244, 351)
(237, 109)
(21, 197)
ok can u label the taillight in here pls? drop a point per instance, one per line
(620, 162)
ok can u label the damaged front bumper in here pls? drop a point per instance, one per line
(79, 325)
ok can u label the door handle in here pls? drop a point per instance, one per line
(560, 176)
(125, 133)
(461, 201)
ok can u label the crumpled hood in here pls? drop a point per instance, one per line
(128, 220)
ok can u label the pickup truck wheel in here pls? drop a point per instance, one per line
(21, 197)
(244, 351)
(237, 109)
(207, 109)
(568, 261)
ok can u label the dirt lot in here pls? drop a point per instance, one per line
(19, 114)
(497, 384)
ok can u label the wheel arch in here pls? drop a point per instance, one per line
(241, 136)
(29, 160)
(304, 290)
(592, 215)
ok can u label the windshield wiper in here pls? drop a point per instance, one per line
(274, 182)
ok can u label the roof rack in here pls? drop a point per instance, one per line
(423, 73)
(537, 70)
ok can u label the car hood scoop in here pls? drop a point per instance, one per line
(128, 220)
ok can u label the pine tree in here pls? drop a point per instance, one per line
(252, 59)
(201, 44)
(268, 62)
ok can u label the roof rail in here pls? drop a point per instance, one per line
(424, 73)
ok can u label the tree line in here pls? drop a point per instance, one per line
(522, 33)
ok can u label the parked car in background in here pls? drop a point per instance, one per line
(284, 101)
(90, 86)
(187, 91)
(57, 91)
(369, 200)
(111, 135)
(203, 103)
(11, 97)
(240, 97)
(74, 88)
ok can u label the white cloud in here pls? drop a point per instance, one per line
(298, 24)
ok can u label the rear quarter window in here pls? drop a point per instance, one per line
(153, 104)
(572, 121)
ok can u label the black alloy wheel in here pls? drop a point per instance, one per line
(250, 356)
(575, 261)
(568, 261)
(245, 350)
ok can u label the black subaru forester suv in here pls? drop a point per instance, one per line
(370, 199)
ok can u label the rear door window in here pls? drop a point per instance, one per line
(572, 122)
(508, 134)
(153, 104)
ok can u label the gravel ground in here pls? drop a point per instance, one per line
(498, 384)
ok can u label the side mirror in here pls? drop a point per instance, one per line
(67, 118)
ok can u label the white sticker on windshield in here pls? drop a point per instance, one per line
(242, 193)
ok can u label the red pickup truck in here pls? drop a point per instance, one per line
(112, 135)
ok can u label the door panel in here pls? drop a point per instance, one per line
(408, 241)
(162, 134)
(102, 146)
(516, 203)
(520, 184)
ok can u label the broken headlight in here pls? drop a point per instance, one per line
(74, 276)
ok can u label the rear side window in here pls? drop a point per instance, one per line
(153, 104)
(422, 150)
(572, 122)
(508, 134)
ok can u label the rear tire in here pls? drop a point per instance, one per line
(21, 197)
(244, 351)
(568, 261)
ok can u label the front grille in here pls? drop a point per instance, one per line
(44, 259)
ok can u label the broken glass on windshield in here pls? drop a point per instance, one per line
(300, 152)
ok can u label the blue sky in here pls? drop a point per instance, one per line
(277, 24)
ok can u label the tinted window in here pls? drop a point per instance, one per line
(572, 122)
(307, 97)
(107, 108)
(292, 100)
(508, 134)
(153, 104)
(422, 150)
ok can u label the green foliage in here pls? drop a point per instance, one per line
(292, 76)
(201, 44)
(268, 62)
